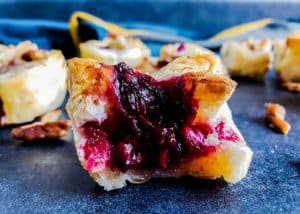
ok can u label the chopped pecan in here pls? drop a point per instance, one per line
(275, 116)
(39, 131)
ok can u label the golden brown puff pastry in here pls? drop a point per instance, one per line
(130, 126)
(287, 62)
(32, 82)
(248, 58)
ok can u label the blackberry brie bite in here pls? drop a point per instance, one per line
(116, 48)
(287, 64)
(170, 52)
(32, 82)
(130, 126)
(249, 58)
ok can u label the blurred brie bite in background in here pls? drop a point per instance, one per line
(287, 61)
(248, 58)
(32, 82)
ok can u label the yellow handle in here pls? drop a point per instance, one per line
(241, 29)
(115, 29)
(112, 28)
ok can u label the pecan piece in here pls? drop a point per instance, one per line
(39, 131)
(275, 116)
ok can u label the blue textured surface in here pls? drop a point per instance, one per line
(49, 178)
(207, 16)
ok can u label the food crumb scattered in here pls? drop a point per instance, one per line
(275, 117)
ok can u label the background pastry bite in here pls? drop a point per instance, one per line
(249, 58)
(183, 118)
(170, 52)
(117, 48)
(32, 82)
(199, 63)
(287, 61)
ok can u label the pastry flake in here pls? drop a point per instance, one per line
(248, 58)
(287, 64)
(32, 82)
(131, 126)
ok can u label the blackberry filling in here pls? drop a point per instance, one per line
(155, 113)
(148, 125)
(181, 47)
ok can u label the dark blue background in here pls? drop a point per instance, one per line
(45, 21)
(207, 16)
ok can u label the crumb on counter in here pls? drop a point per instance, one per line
(275, 116)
